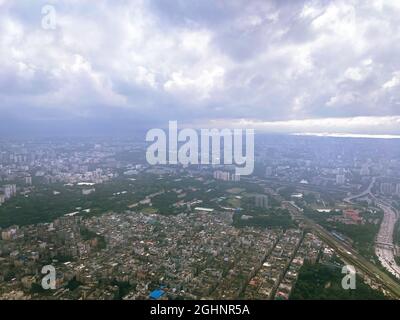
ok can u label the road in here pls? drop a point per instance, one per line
(384, 248)
(362, 194)
(352, 257)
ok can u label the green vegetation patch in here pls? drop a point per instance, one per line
(324, 282)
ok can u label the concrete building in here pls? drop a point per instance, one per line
(226, 176)
(388, 188)
(340, 179)
(222, 175)
(2, 198)
(261, 201)
(269, 171)
(9, 191)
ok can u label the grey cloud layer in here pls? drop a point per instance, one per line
(145, 62)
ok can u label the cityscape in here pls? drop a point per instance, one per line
(115, 227)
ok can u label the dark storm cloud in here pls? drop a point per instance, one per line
(142, 63)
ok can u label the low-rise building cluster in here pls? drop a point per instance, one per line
(132, 255)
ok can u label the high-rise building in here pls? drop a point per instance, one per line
(9, 190)
(365, 170)
(269, 171)
(235, 177)
(2, 198)
(386, 188)
(221, 175)
(226, 176)
(28, 180)
(340, 179)
(261, 201)
(398, 189)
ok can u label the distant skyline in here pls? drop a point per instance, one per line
(114, 67)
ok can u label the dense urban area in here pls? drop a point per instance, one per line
(115, 227)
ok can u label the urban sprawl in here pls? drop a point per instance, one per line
(115, 227)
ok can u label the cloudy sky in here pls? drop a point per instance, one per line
(278, 66)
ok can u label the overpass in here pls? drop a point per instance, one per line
(366, 192)
(351, 256)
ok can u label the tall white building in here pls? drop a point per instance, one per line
(2, 198)
(10, 190)
(28, 180)
(226, 176)
(387, 188)
(269, 171)
(222, 175)
(235, 177)
(340, 179)
(365, 170)
(261, 201)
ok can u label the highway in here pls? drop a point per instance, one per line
(362, 194)
(384, 241)
(352, 257)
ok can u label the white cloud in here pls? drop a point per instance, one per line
(200, 84)
(343, 99)
(354, 74)
(393, 82)
(356, 125)
(265, 60)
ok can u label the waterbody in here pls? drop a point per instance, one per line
(204, 146)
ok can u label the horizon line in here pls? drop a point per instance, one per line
(347, 135)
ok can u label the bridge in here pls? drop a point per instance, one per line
(385, 245)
